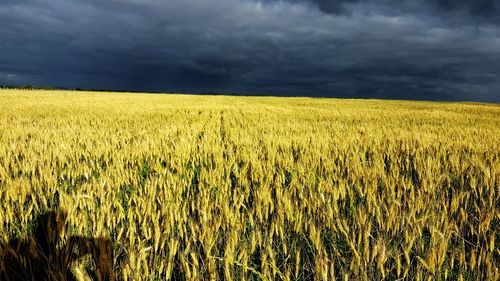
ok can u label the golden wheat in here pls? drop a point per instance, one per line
(245, 188)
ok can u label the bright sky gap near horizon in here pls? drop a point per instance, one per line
(407, 49)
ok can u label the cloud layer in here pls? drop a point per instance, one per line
(438, 50)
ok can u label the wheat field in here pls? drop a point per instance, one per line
(259, 188)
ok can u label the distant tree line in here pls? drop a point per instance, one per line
(27, 87)
(50, 88)
(33, 87)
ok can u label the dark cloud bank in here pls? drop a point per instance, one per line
(403, 49)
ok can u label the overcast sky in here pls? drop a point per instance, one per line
(404, 49)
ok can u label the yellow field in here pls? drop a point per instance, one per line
(246, 188)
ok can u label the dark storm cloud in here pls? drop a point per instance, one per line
(330, 6)
(476, 7)
(350, 48)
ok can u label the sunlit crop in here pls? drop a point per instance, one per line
(249, 188)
